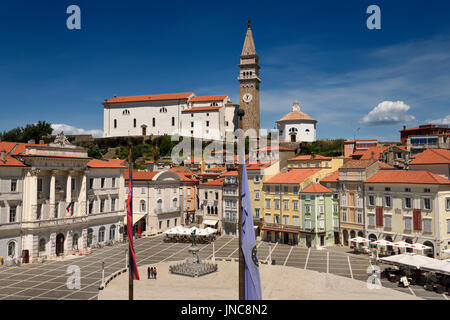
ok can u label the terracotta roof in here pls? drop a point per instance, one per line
(309, 157)
(53, 156)
(217, 182)
(230, 174)
(149, 162)
(405, 176)
(276, 148)
(11, 162)
(259, 165)
(202, 109)
(207, 98)
(141, 175)
(367, 154)
(152, 97)
(332, 177)
(293, 176)
(17, 147)
(316, 188)
(217, 169)
(185, 178)
(296, 115)
(385, 166)
(358, 164)
(111, 163)
(432, 156)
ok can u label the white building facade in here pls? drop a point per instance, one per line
(207, 117)
(297, 126)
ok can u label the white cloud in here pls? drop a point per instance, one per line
(386, 113)
(445, 120)
(58, 127)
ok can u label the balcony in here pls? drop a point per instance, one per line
(167, 210)
(282, 226)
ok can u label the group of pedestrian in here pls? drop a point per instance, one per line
(151, 273)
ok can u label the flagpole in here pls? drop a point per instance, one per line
(130, 256)
(241, 113)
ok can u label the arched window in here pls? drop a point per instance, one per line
(215, 210)
(134, 123)
(159, 204)
(209, 210)
(115, 123)
(90, 236)
(101, 234)
(175, 202)
(41, 246)
(112, 232)
(307, 130)
(75, 242)
(12, 249)
(153, 121)
(173, 121)
(143, 206)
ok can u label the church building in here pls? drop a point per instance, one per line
(206, 117)
(297, 126)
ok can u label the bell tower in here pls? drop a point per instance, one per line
(249, 83)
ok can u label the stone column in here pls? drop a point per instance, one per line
(34, 195)
(68, 190)
(52, 194)
(82, 197)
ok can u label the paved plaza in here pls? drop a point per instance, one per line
(48, 280)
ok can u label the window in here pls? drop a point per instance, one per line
(257, 195)
(206, 194)
(371, 200)
(370, 188)
(113, 204)
(285, 220)
(359, 200)
(175, 203)
(134, 123)
(267, 189)
(335, 208)
(102, 183)
(447, 203)
(286, 189)
(168, 223)
(12, 213)
(267, 203)
(308, 164)
(276, 219)
(387, 189)
(321, 208)
(344, 215)
(335, 222)
(257, 213)
(91, 183)
(12, 249)
(91, 206)
(295, 218)
(286, 204)
(115, 123)
(13, 185)
(192, 124)
(217, 195)
(73, 184)
(267, 218)
(407, 189)
(41, 246)
(427, 225)
(407, 203)
(371, 220)
(344, 200)
(226, 123)
(102, 205)
(207, 123)
(408, 223)
(326, 164)
(101, 234)
(160, 224)
(159, 190)
(256, 179)
(39, 212)
(388, 221)
(153, 122)
(427, 203)
(427, 190)
(277, 189)
(173, 121)
(112, 232)
(277, 204)
(308, 224)
(39, 185)
(448, 226)
(387, 201)
(113, 183)
(295, 202)
(307, 208)
(295, 190)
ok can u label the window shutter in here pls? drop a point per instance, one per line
(379, 212)
(417, 219)
(403, 203)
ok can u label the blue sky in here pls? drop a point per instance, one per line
(319, 52)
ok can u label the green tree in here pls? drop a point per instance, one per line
(94, 151)
(31, 132)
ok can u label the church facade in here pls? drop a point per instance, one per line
(204, 117)
(297, 126)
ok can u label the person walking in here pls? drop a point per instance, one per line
(151, 273)
(154, 272)
(148, 273)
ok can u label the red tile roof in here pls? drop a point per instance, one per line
(358, 164)
(367, 154)
(217, 182)
(293, 176)
(385, 166)
(141, 175)
(11, 162)
(230, 174)
(259, 165)
(111, 163)
(432, 156)
(405, 176)
(152, 97)
(217, 169)
(316, 188)
(332, 177)
(202, 109)
(309, 157)
(276, 148)
(295, 116)
(17, 147)
(208, 98)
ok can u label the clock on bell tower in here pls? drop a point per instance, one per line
(249, 82)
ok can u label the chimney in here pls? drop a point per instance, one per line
(32, 141)
(404, 127)
(3, 156)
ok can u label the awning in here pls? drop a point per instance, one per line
(137, 217)
(210, 222)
